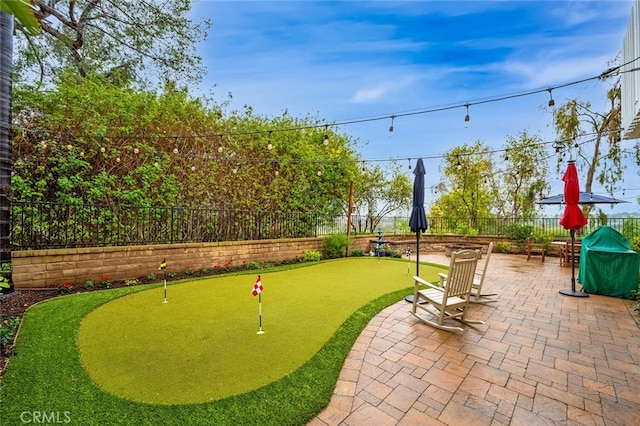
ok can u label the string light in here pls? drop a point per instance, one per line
(391, 127)
(269, 145)
(325, 141)
(466, 117)
(551, 101)
(409, 163)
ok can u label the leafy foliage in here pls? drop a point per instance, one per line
(604, 162)
(91, 141)
(8, 329)
(311, 256)
(520, 234)
(523, 178)
(378, 194)
(335, 245)
(118, 40)
(464, 195)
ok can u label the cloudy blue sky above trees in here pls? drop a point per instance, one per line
(347, 61)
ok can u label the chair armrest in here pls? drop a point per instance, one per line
(420, 281)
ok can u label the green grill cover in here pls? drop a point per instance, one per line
(607, 264)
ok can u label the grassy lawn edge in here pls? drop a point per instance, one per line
(38, 384)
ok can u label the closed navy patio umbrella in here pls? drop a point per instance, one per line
(418, 220)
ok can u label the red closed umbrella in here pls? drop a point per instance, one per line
(572, 219)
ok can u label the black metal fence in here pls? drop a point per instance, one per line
(53, 225)
(50, 225)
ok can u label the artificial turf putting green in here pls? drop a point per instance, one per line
(203, 346)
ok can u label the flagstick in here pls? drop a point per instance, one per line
(260, 313)
(408, 253)
(165, 287)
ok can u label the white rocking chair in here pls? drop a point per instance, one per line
(478, 282)
(451, 300)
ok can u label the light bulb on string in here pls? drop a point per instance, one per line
(319, 172)
(325, 141)
(136, 151)
(269, 144)
(220, 143)
(391, 127)
(551, 101)
(363, 168)
(506, 155)
(193, 168)
(409, 163)
(466, 117)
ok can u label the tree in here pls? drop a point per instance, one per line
(92, 141)
(117, 39)
(604, 162)
(377, 194)
(465, 195)
(523, 177)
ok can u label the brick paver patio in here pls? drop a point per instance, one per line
(540, 358)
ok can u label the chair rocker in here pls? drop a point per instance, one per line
(478, 282)
(451, 300)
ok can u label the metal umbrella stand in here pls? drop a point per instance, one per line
(573, 220)
(418, 220)
(571, 217)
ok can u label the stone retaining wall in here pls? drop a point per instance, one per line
(49, 268)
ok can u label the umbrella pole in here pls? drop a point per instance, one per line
(573, 291)
(418, 253)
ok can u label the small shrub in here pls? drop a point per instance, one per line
(204, 271)
(89, 284)
(65, 288)
(312, 256)
(151, 276)
(171, 274)
(8, 330)
(105, 282)
(5, 272)
(357, 253)
(4, 283)
(335, 245)
(254, 265)
(520, 234)
(503, 247)
(131, 282)
(189, 271)
(542, 238)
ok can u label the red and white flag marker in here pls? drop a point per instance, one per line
(257, 291)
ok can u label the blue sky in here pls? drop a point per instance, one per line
(350, 60)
